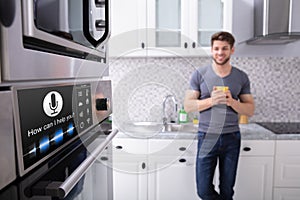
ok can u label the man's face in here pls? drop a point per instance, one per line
(221, 52)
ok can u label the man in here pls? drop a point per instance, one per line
(219, 107)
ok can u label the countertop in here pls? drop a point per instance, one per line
(251, 131)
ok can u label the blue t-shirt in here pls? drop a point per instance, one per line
(220, 118)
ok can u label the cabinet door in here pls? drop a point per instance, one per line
(130, 177)
(174, 180)
(168, 27)
(287, 171)
(287, 163)
(130, 168)
(254, 178)
(286, 194)
(128, 28)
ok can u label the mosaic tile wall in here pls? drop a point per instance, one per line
(140, 85)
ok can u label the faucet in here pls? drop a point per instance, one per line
(165, 118)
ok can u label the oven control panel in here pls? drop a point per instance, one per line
(51, 116)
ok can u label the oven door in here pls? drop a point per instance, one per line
(84, 173)
(73, 24)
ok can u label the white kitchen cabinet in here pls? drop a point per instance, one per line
(130, 173)
(128, 28)
(255, 170)
(287, 167)
(130, 178)
(172, 164)
(167, 171)
(172, 180)
(166, 27)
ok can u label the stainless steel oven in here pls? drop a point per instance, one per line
(40, 36)
(56, 99)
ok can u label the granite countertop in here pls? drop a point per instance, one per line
(251, 131)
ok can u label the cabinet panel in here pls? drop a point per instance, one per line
(130, 184)
(209, 25)
(254, 178)
(286, 194)
(128, 28)
(176, 181)
(287, 171)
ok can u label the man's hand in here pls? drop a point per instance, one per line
(218, 97)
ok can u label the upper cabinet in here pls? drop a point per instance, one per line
(167, 27)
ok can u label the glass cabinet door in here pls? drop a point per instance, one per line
(168, 23)
(210, 20)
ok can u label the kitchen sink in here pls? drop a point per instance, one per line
(155, 127)
(184, 128)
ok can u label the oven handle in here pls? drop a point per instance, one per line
(72, 180)
(102, 24)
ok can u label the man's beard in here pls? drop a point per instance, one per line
(222, 63)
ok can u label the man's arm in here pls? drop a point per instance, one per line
(244, 107)
(193, 104)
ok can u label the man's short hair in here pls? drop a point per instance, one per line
(223, 36)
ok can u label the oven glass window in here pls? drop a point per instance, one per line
(66, 19)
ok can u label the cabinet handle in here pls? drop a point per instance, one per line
(99, 3)
(182, 149)
(194, 45)
(182, 160)
(143, 45)
(247, 149)
(143, 165)
(185, 45)
(104, 158)
(119, 147)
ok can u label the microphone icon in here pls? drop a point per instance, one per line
(53, 104)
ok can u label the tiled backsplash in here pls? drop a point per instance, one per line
(140, 85)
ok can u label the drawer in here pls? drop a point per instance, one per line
(288, 147)
(257, 148)
(129, 146)
(165, 147)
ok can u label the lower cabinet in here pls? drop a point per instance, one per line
(254, 178)
(287, 168)
(130, 174)
(130, 180)
(168, 171)
(255, 170)
(175, 180)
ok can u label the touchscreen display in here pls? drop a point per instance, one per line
(50, 117)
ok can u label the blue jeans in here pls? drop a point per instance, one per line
(224, 148)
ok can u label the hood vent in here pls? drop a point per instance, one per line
(275, 22)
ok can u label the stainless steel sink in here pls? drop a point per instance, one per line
(184, 128)
(154, 127)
